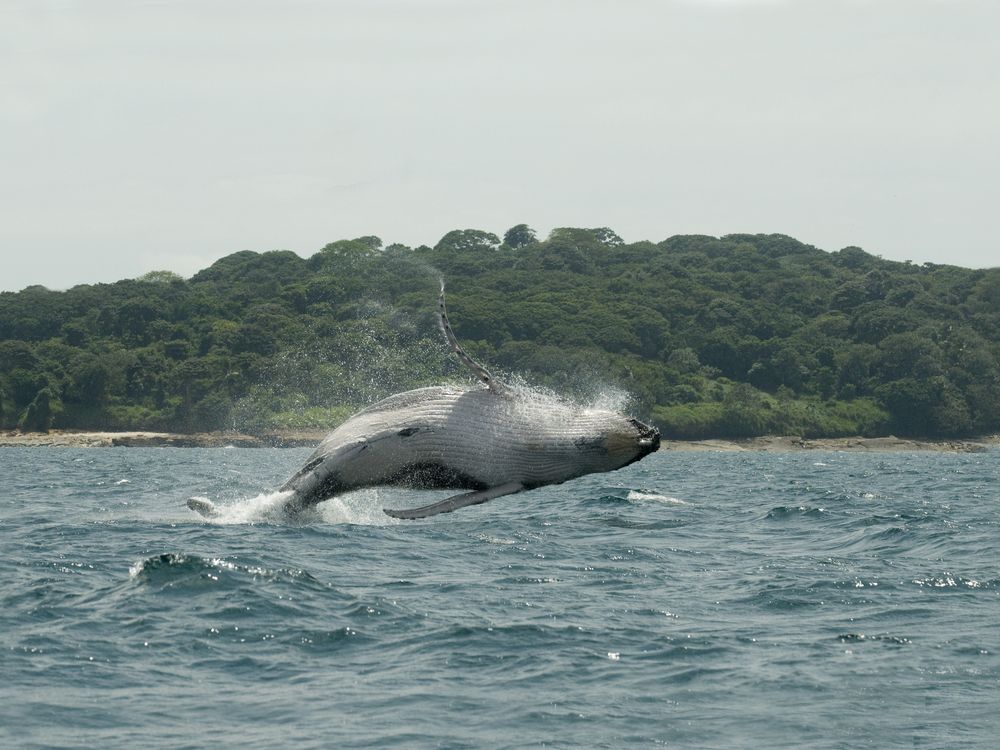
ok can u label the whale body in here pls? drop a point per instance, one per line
(491, 440)
(474, 439)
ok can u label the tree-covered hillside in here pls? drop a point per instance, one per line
(734, 336)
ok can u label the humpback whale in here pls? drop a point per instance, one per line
(490, 440)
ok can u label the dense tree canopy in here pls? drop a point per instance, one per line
(731, 336)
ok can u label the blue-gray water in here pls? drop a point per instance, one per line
(710, 600)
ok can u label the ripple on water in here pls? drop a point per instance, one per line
(952, 582)
(625, 495)
(794, 512)
(186, 574)
(894, 640)
(600, 612)
(621, 522)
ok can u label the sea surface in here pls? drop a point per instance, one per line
(696, 600)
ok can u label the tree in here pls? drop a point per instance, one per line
(375, 243)
(468, 240)
(88, 381)
(909, 355)
(17, 355)
(743, 412)
(684, 360)
(607, 237)
(911, 403)
(74, 333)
(587, 239)
(678, 323)
(519, 236)
(160, 277)
(212, 412)
(23, 384)
(39, 414)
(853, 257)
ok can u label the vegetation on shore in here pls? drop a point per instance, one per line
(737, 336)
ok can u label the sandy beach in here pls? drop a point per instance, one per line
(308, 438)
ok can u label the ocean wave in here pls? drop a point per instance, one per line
(787, 512)
(776, 586)
(625, 495)
(178, 570)
(640, 496)
(896, 640)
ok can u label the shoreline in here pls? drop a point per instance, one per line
(150, 439)
(310, 438)
(887, 444)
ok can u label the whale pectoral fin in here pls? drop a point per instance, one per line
(477, 369)
(203, 506)
(456, 502)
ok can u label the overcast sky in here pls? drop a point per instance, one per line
(163, 134)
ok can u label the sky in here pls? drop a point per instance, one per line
(140, 135)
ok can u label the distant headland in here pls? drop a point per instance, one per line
(309, 438)
(710, 338)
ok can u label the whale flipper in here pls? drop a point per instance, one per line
(477, 369)
(457, 501)
(203, 506)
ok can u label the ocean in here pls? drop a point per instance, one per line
(695, 599)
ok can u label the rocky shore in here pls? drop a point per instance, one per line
(873, 444)
(309, 438)
(80, 439)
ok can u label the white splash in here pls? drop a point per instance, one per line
(634, 496)
(611, 398)
(363, 508)
(593, 396)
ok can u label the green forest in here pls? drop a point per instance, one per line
(736, 336)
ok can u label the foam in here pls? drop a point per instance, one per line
(363, 508)
(635, 496)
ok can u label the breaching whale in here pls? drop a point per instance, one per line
(492, 441)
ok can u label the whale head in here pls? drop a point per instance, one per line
(612, 440)
(627, 440)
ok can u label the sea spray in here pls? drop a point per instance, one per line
(361, 508)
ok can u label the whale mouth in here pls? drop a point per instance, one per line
(649, 437)
(650, 443)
